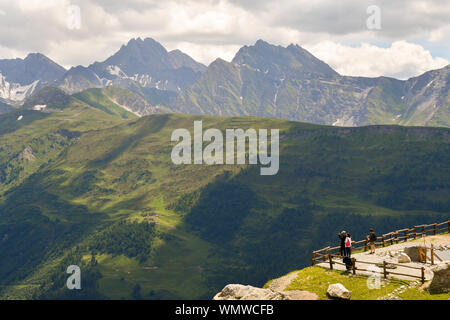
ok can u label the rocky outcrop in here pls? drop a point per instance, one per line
(27, 154)
(337, 290)
(241, 292)
(441, 279)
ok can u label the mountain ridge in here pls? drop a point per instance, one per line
(261, 80)
(291, 84)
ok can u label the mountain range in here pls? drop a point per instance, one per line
(86, 176)
(262, 80)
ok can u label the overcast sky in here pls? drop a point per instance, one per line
(409, 38)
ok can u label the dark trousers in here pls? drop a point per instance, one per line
(347, 252)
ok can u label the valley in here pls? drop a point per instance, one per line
(101, 192)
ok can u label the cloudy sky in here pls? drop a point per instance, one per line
(400, 38)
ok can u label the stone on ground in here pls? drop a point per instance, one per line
(441, 279)
(413, 253)
(337, 290)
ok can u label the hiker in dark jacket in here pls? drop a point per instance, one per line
(348, 245)
(372, 240)
(342, 236)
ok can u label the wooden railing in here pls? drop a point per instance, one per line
(384, 270)
(386, 239)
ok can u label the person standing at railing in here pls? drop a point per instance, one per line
(348, 245)
(372, 240)
(342, 237)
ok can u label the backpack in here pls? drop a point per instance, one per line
(373, 237)
(348, 262)
(348, 242)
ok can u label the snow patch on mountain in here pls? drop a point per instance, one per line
(116, 71)
(39, 107)
(15, 91)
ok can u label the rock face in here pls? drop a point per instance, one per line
(20, 78)
(290, 83)
(403, 258)
(337, 290)
(241, 292)
(441, 279)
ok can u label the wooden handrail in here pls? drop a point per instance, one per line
(384, 270)
(390, 238)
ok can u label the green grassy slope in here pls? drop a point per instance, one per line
(317, 280)
(97, 99)
(213, 224)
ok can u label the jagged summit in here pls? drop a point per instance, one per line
(19, 78)
(280, 60)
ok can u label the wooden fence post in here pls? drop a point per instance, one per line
(406, 235)
(354, 265)
(396, 236)
(392, 240)
(449, 227)
(415, 232)
(331, 261)
(432, 255)
(423, 231)
(423, 275)
(325, 255)
(434, 228)
(313, 258)
(382, 240)
(384, 269)
(365, 245)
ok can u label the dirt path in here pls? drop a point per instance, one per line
(280, 284)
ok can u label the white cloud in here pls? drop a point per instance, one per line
(401, 60)
(441, 34)
(7, 53)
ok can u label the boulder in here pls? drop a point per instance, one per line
(403, 258)
(337, 290)
(441, 279)
(241, 292)
(413, 253)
